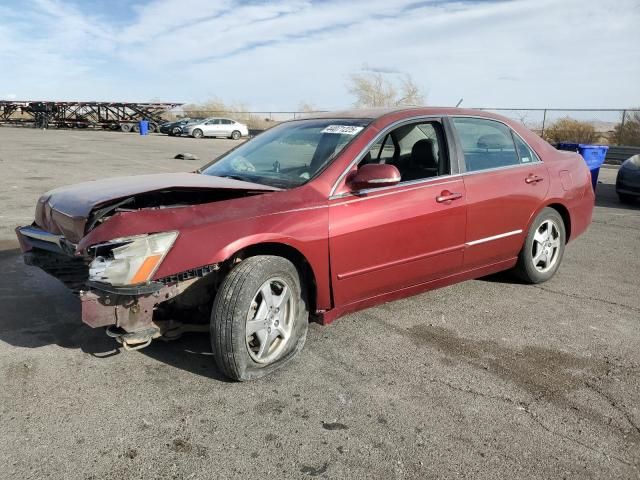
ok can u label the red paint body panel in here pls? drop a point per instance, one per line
(403, 238)
(500, 202)
(211, 233)
(389, 243)
(330, 316)
(577, 196)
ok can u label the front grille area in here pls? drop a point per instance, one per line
(72, 271)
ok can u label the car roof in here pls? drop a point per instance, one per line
(383, 116)
(376, 113)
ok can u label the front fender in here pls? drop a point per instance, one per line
(205, 242)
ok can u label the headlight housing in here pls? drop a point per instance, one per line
(632, 163)
(130, 260)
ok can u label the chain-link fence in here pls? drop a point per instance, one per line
(255, 120)
(599, 125)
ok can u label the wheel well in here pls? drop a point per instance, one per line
(566, 218)
(291, 254)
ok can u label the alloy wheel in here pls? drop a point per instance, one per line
(546, 246)
(270, 320)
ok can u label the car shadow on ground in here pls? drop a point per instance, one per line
(191, 352)
(38, 310)
(607, 197)
(507, 277)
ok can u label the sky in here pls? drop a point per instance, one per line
(274, 55)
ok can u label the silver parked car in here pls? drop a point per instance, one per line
(217, 127)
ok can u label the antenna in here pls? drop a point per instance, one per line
(459, 102)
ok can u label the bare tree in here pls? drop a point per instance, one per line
(410, 92)
(307, 107)
(377, 90)
(629, 132)
(217, 107)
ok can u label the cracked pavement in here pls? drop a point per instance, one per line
(485, 379)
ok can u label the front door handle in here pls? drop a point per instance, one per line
(533, 179)
(447, 197)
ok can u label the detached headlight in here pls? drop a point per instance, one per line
(131, 260)
(632, 163)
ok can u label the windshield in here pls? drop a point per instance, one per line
(290, 154)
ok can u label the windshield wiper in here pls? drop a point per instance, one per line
(260, 181)
(235, 177)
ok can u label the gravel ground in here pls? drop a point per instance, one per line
(485, 379)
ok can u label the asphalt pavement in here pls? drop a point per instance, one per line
(485, 379)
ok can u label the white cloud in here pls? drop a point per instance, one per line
(570, 53)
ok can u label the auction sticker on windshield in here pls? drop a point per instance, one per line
(343, 129)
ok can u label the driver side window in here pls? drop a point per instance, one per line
(418, 150)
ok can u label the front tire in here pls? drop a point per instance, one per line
(259, 318)
(197, 133)
(543, 248)
(176, 131)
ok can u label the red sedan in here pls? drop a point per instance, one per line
(314, 217)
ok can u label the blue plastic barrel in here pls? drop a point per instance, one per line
(144, 127)
(593, 155)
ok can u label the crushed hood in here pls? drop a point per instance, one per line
(65, 210)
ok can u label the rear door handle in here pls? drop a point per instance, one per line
(533, 179)
(447, 197)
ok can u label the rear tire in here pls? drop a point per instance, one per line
(175, 131)
(197, 133)
(543, 248)
(236, 135)
(628, 199)
(125, 127)
(259, 318)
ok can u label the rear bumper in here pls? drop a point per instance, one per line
(628, 182)
(627, 189)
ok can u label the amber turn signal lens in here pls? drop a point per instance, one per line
(146, 269)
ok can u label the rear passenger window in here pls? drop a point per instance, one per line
(486, 144)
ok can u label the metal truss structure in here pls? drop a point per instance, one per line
(107, 115)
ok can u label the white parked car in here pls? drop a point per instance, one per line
(217, 127)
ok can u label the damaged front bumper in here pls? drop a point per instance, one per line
(128, 311)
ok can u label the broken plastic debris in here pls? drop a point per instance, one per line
(186, 156)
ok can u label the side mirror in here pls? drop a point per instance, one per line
(373, 175)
